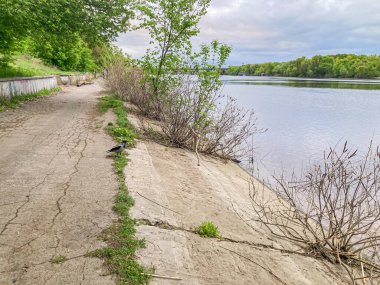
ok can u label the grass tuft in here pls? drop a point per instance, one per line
(15, 101)
(208, 230)
(58, 259)
(119, 255)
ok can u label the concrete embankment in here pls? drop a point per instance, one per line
(10, 87)
(174, 195)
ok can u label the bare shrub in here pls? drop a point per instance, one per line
(116, 78)
(177, 116)
(128, 83)
(333, 209)
(138, 92)
(201, 122)
(229, 133)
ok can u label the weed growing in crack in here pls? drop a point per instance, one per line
(208, 230)
(120, 163)
(123, 134)
(109, 102)
(119, 255)
(58, 259)
(15, 101)
(123, 129)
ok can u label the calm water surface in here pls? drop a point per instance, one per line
(305, 118)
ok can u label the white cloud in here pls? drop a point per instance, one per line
(268, 30)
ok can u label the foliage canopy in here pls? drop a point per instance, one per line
(171, 25)
(61, 32)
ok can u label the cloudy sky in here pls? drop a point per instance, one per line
(281, 30)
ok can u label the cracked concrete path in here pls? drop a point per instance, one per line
(173, 196)
(57, 189)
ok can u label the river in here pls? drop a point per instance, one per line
(306, 117)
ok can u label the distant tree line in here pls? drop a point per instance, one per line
(329, 66)
(70, 34)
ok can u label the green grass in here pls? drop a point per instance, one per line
(123, 129)
(209, 230)
(120, 253)
(15, 101)
(26, 66)
(58, 259)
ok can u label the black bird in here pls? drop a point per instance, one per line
(118, 149)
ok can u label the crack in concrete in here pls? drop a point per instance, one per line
(67, 184)
(260, 246)
(162, 225)
(58, 242)
(39, 221)
(24, 204)
(24, 268)
(29, 243)
(266, 267)
(83, 271)
(42, 140)
(28, 266)
(77, 140)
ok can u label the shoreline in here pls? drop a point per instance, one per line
(342, 80)
(174, 195)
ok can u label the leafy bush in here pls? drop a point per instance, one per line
(68, 53)
(208, 229)
(123, 134)
(54, 27)
(25, 65)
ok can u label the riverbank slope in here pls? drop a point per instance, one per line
(173, 195)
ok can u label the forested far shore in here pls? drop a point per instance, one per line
(328, 66)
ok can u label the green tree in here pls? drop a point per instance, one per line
(13, 27)
(208, 63)
(233, 70)
(70, 53)
(95, 20)
(171, 24)
(60, 21)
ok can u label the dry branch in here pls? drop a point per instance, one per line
(333, 209)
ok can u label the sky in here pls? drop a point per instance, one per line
(281, 30)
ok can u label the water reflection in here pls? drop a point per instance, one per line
(304, 122)
(302, 82)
